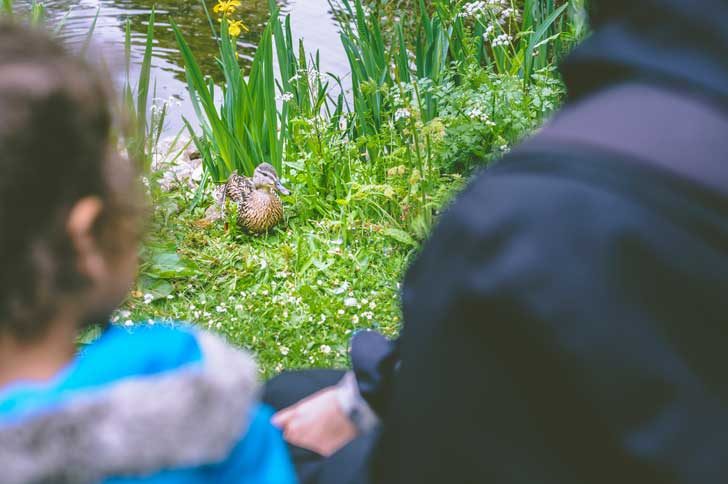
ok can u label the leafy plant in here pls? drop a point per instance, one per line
(144, 133)
(246, 129)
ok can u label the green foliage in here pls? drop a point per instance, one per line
(145, 133)
(369, 60)
(7, 7)
(431, 101)
(293, 298)
(486, 113)
(247, 128)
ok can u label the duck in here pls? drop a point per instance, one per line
(259, 206)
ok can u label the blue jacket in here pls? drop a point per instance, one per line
(155, 404)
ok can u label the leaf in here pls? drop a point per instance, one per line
(322, 265)
(169, 265)
(158, 288)
(400, 236)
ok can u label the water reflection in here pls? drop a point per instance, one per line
(311, 20)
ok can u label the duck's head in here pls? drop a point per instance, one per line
(266, 178)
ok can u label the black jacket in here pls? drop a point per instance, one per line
(568, 320)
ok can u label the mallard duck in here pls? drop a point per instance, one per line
(259, 208)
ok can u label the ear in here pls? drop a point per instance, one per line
(81, 221)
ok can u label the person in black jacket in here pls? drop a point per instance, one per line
(567, 322)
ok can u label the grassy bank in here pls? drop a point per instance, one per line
(433, 100)
(371, 170)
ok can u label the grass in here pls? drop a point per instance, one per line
(293, 297)
(369, 180)
(434, 99)
(370, 173)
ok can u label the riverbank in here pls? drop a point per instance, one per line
(370, 176)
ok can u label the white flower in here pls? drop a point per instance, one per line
(471, 9)
(128, 322)
(284, 350)
(238, 307)
(502, 40)
(355, 319)
(350, 302)
(170, 297)
(221, 309)
(402, 113)
(285, 97)
(372, 305)
(148, 298)
(342, 288)
(507, 13)
(325, 349)
(340, 312)
(124, 313)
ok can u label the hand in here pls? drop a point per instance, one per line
(316, 423)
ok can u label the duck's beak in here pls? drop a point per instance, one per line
(281, 189)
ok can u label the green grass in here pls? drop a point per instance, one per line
(432, 102)
(293, 297)
(369, 179)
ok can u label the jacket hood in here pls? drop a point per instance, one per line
(138, 425)
(675, 42)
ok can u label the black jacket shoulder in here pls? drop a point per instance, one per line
(567, 315)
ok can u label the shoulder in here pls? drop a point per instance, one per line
(152, 399)
(526, 228)
(147, 348)
(519, 199)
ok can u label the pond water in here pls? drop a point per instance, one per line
(311, 20)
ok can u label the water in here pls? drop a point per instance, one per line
(310, 20)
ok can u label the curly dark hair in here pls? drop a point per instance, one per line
(55, 148)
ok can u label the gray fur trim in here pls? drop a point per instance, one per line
(139, 426)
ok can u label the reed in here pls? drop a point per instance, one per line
(141, 139)
(246, 128)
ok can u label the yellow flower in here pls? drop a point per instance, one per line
(236, 27)
(226, 7)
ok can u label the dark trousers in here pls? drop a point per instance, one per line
(348, 465)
